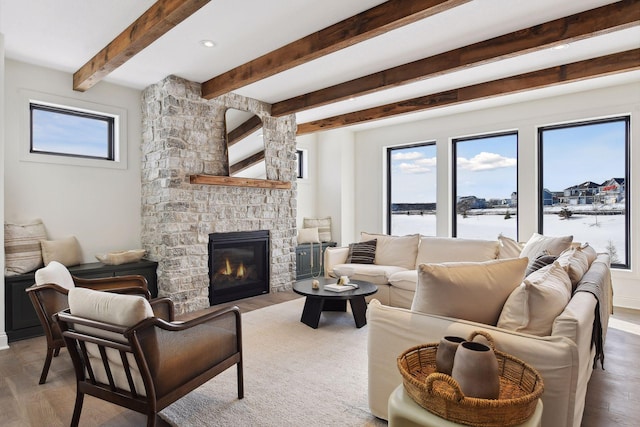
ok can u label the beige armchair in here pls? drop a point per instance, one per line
(49, 295)
(125, 355)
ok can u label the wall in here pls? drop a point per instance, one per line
(4, 341)
(184, 134)
(525, 117)
(100, 206)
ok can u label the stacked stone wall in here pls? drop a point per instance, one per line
(184, 134)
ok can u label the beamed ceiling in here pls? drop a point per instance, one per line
(337, 63)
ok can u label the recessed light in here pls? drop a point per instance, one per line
(561, 46)
(208, 43)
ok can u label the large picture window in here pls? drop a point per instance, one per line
(411, 189)
(68, 132)
(485, 183)
(584, 188)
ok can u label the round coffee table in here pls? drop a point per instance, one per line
(319, 300)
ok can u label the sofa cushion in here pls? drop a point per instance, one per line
(362, 252)
(533, 306)
(474, 291)
(405, 280)
(447, 249)
(376, 274)
(538, 243)
(576, 262)
(399, 251)
(541, 261)
(508, 248)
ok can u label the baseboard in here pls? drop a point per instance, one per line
(625, 302)
(4, 341)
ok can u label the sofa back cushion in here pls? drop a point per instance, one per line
(538, 243)
(448, 249)
(576, 261)
(398, 251)
(474, 291)
(533, 306)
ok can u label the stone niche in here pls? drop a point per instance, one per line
(184, 134)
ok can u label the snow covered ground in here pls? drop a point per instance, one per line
(601, 231)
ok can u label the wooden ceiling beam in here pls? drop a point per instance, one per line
(602, 20)
(378, 20)
(581, 70)
(161, 17)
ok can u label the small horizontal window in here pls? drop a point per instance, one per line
(68, 132)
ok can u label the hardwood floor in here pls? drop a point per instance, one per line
(613, 396)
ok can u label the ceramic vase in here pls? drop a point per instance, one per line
(475, 368)
(446, 352)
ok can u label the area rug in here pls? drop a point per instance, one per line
(294, 375)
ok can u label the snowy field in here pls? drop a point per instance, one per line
(599, 230)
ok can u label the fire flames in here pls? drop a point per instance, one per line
(227, 270)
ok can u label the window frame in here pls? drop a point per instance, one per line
(627, 164)
(454, 173)
(120, 130)
(389, 151)
(110, 121)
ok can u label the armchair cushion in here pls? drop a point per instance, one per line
(55, 273)
(117, 309)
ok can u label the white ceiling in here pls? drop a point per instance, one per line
(64, 34)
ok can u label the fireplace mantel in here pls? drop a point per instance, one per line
(231, 181)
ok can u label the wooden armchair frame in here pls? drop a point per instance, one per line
(154, 344)
(48, 299)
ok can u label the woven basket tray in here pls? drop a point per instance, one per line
(520, 388)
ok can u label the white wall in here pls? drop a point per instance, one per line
(100, 206)
(3, 335)
(525, 117)
(308, 186)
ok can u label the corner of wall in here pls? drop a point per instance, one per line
(4, 341)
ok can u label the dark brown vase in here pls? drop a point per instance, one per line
(446, 352)
(475, 368)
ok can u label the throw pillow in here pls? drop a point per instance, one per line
(362, 252)
(535, 304)
(323, 225)
(590, 252)
(576, 262)
(447, 249)
(508, 248)
(22, 246)
(121, 257)
(66, 251)
(538, 243)
(541, 261)
(308, 235)
(474, 291)
(397, 251)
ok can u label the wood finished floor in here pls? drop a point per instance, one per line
(613, 396)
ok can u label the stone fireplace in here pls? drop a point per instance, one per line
(183, 135)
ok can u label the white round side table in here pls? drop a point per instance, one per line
(405, 412)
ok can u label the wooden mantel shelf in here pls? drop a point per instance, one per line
(232, 181)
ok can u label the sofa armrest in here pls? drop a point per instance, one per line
(392, 330)
(332, 257)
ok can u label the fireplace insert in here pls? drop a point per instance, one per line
(238, 265)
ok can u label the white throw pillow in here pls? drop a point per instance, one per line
(308, 235)
(323, 225)
(508, 248)
(538, 243)
(399, 251)
(474, 291)
(66, 251)
(447, 249)
(576, 262)
(535, 304)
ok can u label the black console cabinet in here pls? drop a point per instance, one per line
(20, 318)
(304, 254)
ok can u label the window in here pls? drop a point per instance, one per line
(485, 183)
(67, 132)
(300, 159)
(584, 188)
(411, 187)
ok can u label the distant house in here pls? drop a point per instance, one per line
(611, 191)
(514, 199)
(472, 202)
(547, 197)
(581, 194)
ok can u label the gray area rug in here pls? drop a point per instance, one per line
(293, 375)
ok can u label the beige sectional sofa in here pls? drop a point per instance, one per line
(564, 355)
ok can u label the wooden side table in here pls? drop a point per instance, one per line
(405, 412)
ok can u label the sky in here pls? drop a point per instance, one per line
(487, 166)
